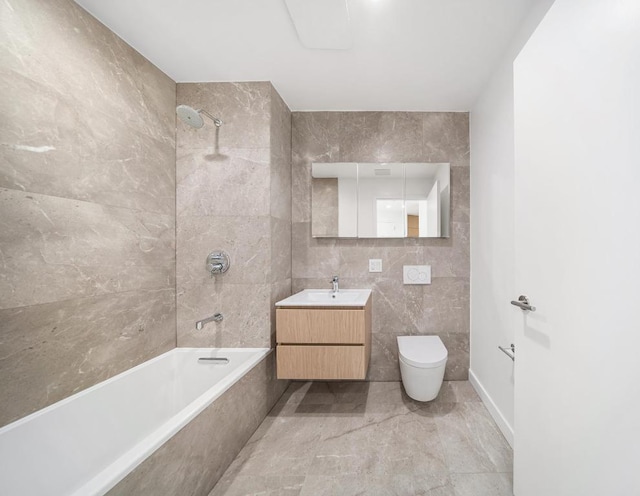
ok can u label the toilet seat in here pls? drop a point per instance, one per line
(424, 352)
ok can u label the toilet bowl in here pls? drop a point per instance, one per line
(422, 362)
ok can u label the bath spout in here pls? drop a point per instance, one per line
(214, 318)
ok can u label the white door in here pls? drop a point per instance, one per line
(577, 229)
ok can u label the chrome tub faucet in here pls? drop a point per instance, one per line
(336, 288)
(214, 318)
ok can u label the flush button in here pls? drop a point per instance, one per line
(416, 274)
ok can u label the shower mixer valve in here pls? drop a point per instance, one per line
(218, 262)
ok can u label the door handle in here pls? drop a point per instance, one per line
(523, 303)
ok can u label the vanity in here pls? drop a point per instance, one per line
(324, 335)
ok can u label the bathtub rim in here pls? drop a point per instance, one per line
(113, 473)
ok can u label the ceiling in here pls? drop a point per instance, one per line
(414, 55)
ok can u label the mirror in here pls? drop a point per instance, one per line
(365, 200)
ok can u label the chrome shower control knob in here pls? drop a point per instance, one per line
(218, 262)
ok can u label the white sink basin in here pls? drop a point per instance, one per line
(327, 298)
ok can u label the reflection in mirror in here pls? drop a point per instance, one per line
(333, 200)
(389, 218)
(427, 200)
(380, 200)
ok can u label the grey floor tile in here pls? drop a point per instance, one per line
(471, 441)
(336, 392)
(457, 392)
(286, 447)
(385, 392)
(345, 448)
(258, 485)
(379, 444)
(344, 438)
(487, 435)
(386, 485)
(482, 484)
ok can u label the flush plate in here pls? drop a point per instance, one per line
(416, 274)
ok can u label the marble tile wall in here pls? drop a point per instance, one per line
(280, 211)
(87, 215)
(441, 308)
(233, 194)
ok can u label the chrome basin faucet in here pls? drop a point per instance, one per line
(335, 284)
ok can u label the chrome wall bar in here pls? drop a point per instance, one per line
(216, 360)
(510, 351)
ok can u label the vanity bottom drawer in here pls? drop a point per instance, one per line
(320, 362)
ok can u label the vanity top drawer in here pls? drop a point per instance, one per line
(320, 326)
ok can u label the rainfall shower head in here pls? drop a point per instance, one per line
(190, 116)
(193, 117)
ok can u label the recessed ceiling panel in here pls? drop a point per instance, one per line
(321, 24)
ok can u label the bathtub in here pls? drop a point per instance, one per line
(87, 443)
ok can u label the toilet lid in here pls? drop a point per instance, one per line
(422, 351)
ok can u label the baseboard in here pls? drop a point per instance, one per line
(503, 425)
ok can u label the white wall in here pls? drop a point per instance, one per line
(492, 233)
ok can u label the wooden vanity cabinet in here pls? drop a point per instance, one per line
(323, 343)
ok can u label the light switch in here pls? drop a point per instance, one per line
(416, 274)
(375, 265)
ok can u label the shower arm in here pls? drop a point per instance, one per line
(215, 120)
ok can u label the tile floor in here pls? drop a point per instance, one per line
(348, 438)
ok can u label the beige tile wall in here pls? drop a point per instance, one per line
(233, 194)
(87, 193)
(280, 197)
(441, 308)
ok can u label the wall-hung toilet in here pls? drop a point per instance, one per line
(422, 362)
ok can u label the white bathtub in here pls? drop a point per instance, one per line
(85, 444)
